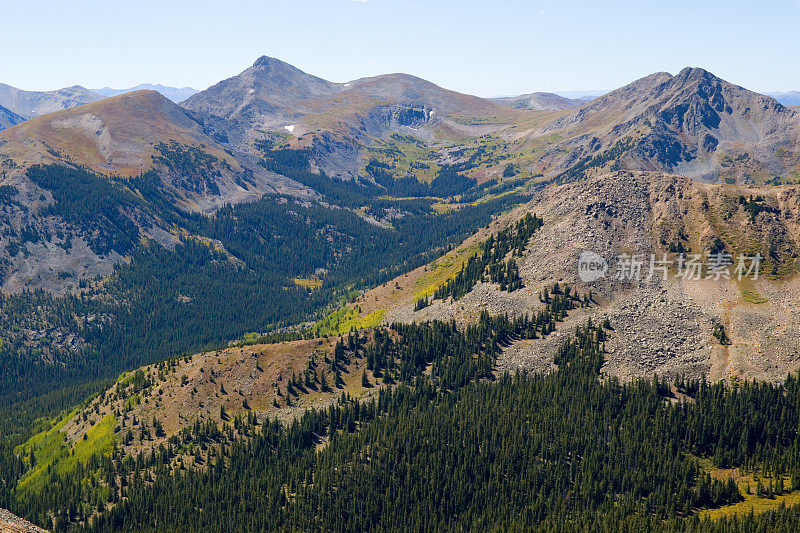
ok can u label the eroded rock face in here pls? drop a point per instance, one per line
(693, 123)
(661, 326)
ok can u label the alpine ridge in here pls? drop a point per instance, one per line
(540, 102)
(175, 94)
(29, 104)
(693, 123)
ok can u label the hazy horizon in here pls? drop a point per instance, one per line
(507, 49)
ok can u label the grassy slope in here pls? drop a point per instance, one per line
(112, 135)
(53, 449)
(241, 379)
(751, 503)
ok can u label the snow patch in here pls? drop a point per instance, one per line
(290, 128)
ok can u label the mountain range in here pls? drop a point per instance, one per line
(173, 93)
(397, 132)
(788, 98)
(182, 281)
(540, 102)
(644, 125)
(338, 120)
(29, 104)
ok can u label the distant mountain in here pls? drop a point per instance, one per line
(29, 104)
(173, 93)
(341, 118)
(585, 96)
(266, 93)
(788, 98)
(271, 91)
(8, 118)
(539, 102)
(135, 132)
(694, 124)
(88, 160)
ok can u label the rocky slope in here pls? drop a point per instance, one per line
(10, 523)
(662, 326)
(29, 104)
(540, 102)
(693, 123)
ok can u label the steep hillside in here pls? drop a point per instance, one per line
(665, 326)
(14, 524)
(29, 104)
(265, 95)
(540, 102)
(278, 381)
(134, 133)
(8, 118)
(693, 123)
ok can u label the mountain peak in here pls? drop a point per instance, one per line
(269, 88)
(271, 62)
(696, 74)
(74, 88)
(688, 122)
(279, 73)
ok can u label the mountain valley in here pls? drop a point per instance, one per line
(310, 305)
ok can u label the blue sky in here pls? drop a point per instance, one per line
(484, 48)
